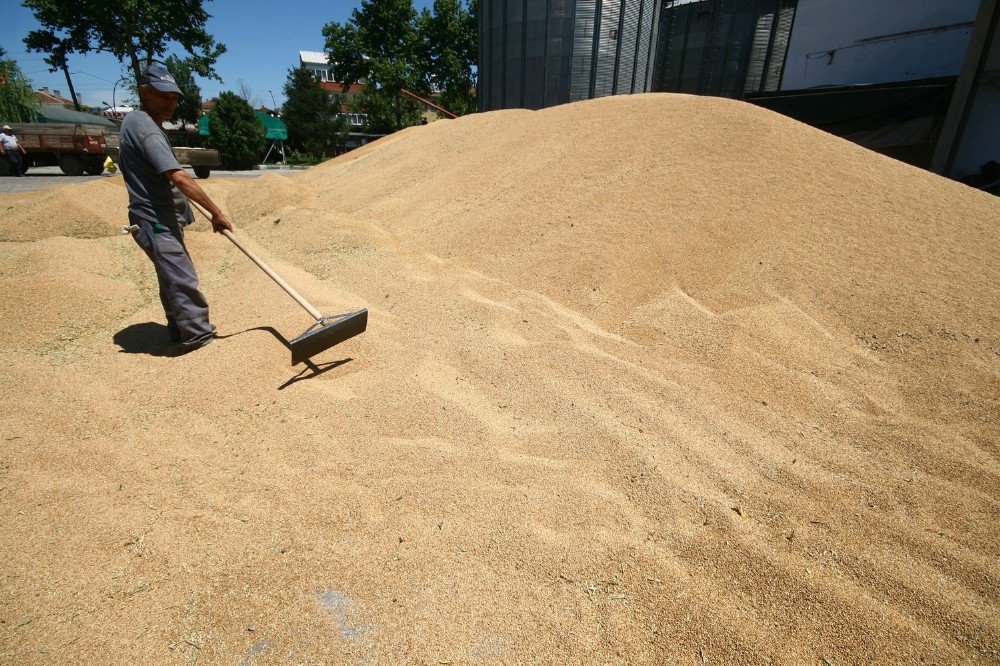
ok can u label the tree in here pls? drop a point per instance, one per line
(247, 93)
(451, 36)
(137, 32)
(380, 46)
(58, 49)
(313, 119)
(18, 101)
(235, 131)
(189, 105)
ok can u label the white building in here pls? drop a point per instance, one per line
(858, 42)
(318, 63)
(914, 79)
(850, 42)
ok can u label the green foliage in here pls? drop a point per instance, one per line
(17, 98)
(236, 132)
(134, 31)
(313, 119)
(451, 40)
(296, 158)
(380, 46)
(388, 46)
(189, 107)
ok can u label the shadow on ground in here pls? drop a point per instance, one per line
(154, 339)
(146, 338)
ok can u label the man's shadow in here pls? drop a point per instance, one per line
(147, 338)
(154, 339)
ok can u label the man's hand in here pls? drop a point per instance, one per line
(220, 222)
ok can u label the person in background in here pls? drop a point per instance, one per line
(158, 192)
(13, 150)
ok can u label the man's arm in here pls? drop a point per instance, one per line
(193, 191)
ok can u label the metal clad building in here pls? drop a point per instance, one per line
(539, 53)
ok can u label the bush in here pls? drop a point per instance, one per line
(295, 158)
(236, 132)
(18, 101)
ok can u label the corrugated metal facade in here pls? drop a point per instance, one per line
(723, 47)
(539, 53)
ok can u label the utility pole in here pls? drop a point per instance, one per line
(69, 82)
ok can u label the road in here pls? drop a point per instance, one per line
(39, 177)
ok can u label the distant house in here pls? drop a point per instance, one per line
(318, 63)
(54, 97)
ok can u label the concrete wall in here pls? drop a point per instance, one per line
(845, 42)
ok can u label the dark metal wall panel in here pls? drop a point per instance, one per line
(481, 57)
(607, 48)
(559, 47)
(583, 49)
(536, 16)
(649, 53)
(779, 49)
(539, 53)
(627, 46)
(514, 47)
(723, 47)
(497, 59)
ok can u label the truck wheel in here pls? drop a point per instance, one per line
(4, 167)
(202, 171)
(95, 168)
(71, 165)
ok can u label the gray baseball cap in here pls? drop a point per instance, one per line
(158, 76)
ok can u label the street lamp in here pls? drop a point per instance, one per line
(274, 105)
(114, 102)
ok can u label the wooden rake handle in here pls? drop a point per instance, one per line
(264, 267)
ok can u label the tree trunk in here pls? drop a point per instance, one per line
(136, 66)
(69, 82)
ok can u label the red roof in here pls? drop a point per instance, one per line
(333, 86)
(49, 98)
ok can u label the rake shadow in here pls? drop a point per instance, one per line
(313, 369)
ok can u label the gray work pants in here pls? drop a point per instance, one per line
(184, 305)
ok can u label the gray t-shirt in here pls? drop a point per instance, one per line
(145, 157)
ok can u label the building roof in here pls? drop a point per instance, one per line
(45, 97)
(314, 58)
(336, 87)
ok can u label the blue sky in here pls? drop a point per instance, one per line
(263, 39)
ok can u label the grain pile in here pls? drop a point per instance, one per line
(651, 379)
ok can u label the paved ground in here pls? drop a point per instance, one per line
(39, 177)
